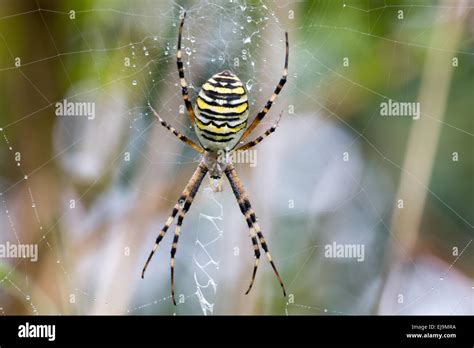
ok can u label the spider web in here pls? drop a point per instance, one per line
(93, 194)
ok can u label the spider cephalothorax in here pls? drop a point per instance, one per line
(220, 123)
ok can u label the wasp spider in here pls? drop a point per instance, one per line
(220, 124)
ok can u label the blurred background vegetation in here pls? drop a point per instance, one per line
(93, 194)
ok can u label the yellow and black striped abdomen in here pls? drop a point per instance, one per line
(222, 112)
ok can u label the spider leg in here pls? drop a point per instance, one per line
(269, 104)
(182, 80)
(253, 237)
(244, 211)
(257, 257)
(260, 138)
(195, 179)
(263, 243)
(249, 214)
(180, 136)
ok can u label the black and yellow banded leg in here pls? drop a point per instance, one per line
(162, 234)
(260, 138)
(249, 214)
(253, 236)
(263, 243)
(237, 192)
(177, 134)
(269, 104)
(184, 207)
(182, 80)
(192, 186)
(257, 258)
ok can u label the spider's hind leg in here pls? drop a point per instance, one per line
(182, 79)
(270, 101)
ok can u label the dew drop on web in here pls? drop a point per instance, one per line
(249, 84)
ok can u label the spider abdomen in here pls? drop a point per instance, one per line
(222, 112)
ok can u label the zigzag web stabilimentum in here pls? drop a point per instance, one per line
(204, 258)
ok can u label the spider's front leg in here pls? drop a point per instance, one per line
(252, 223)
(197, 180)
(182, 206)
